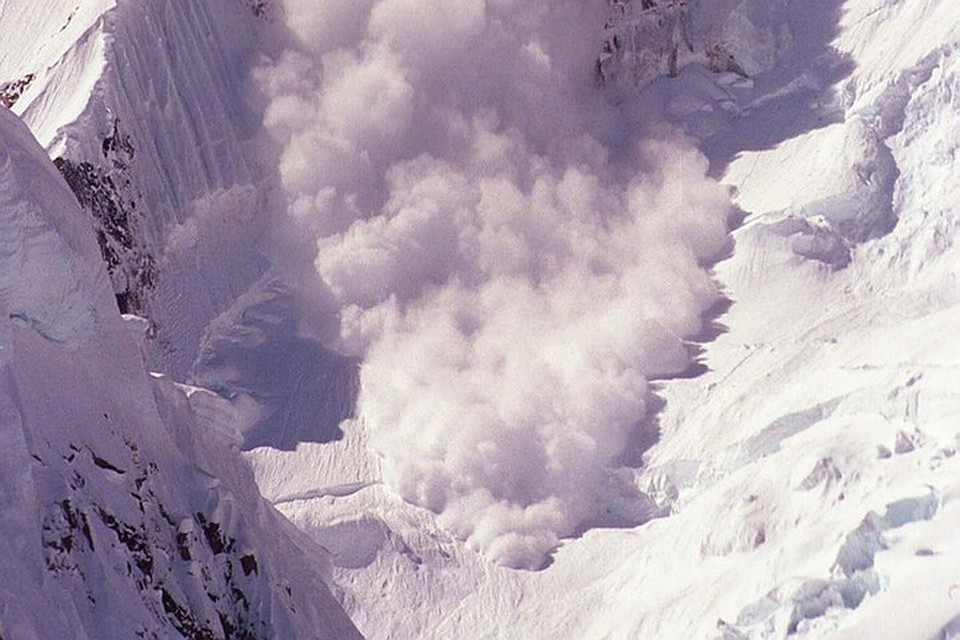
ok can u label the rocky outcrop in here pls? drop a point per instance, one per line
(11, 91)
(649, 39)
(107, 192)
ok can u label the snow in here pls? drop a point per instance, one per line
(799, 479)
(511, 274)
(58, 301)
(828, 393)
(125, 508)
(56, 42)
(184, 171)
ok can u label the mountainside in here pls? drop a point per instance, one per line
(803, 473)
(156, 141)
(555, 319)
(128, 512)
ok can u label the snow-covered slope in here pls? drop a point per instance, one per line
(807, 467)
(799, 480)
(125, 511)
(143, 105)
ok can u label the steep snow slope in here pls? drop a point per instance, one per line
(125, 512)
(808, 473)
(143, 105)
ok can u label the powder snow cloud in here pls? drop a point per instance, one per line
(511, 265)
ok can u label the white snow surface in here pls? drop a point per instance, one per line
(807, 475)
(166, 83)
(126, 508)
(799, 479)
(125, 512)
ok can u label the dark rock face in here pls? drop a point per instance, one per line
(189, 565)
(10, 92)
(260, 8)
(645, 40)
(106, 192)
(649, 39)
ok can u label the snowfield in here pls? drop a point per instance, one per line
(609, 319)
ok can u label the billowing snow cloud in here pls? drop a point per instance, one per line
(509, 264)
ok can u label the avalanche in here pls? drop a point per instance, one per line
(777, 459)
(808, 474)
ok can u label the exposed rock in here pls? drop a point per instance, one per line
(904, 443)
(650, 39)
(11, 91)
(132, 268)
